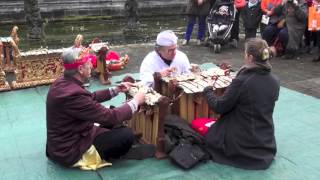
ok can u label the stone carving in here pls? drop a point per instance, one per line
(15, 40)
(10, 49)
(131, 13)
(33, 19)
(13, 10)
(133, 28)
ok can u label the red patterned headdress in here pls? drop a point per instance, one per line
(76, 63)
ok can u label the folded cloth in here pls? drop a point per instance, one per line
(91, 160)
(201, 125)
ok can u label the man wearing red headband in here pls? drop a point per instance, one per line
(72, 137)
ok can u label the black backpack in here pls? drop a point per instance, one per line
(185, 147)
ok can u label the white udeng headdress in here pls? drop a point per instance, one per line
(167, 38)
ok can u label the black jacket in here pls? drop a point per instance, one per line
(251, 16)
(244, 135)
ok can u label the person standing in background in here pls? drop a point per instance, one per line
(240, 4)
(251, 15)
(267, 7)
(295, 22)
(314, 24)
(197, 9)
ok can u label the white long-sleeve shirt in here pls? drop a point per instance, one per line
(153, 63)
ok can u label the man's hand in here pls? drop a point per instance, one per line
(165, 72)
(139, 98)
(273, 51)
(124, 86)
(281, 23)
(269, 13)
(200, 2)
(168, 71)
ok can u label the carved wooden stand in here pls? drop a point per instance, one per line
(33, 70)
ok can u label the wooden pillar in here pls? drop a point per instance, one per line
(4, 86)
(163, 111)
(8, 58)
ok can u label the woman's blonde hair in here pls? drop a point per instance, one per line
(259, 49)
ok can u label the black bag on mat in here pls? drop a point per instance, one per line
(187, 155)
(185, 146)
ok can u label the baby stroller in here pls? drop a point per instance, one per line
(220, 22)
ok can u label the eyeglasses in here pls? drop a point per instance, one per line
(171, 49)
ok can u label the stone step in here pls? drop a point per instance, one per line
(13, 10)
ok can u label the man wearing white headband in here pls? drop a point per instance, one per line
(165, 59)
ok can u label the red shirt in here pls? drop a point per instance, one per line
(269, 5)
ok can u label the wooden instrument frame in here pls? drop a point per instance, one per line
(188, 106)
(149, 122)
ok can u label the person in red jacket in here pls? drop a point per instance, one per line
(313, 26)
(72, 112)
(267, 7)
(234, 34)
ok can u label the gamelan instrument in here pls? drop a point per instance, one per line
(185, 91)
(148, 121)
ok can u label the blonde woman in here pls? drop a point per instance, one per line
(244, 135)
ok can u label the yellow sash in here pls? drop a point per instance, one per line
(91, 160)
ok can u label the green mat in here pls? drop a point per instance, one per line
(23, 137)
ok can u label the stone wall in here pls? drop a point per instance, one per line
(13, 10)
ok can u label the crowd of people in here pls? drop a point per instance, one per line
(291, 26)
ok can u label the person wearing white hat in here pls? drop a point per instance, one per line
(165, 59)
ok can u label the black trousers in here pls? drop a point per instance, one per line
(271, 32)
(250, 32)
(262, 27)
(318, 40)
(114, 143)
(235, 27)
(309, 36)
